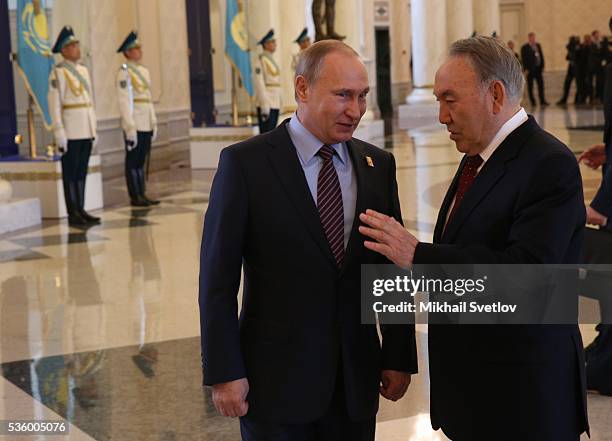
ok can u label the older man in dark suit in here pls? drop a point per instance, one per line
(516, 199)
(298, 364)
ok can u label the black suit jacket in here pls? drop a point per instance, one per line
(511, 382)
(602, 201)
(300, 317)
(529, 58)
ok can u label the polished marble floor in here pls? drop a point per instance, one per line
(100, 326)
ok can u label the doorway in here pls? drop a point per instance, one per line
(383, 72)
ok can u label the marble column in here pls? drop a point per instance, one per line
(486, 16)
(355, 20)
(459, 19)
(429, 46)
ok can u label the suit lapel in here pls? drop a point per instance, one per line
(286, 164)
(448, 199)
(486, 179)
(357, 157)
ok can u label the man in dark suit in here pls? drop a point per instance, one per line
(599, 353)
(516, 199)
(298, 364)
(533, 63)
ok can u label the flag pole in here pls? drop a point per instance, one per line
(234, 99)
(31, 128)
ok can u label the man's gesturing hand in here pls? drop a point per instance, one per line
(230, 398)
(392, 240)
(594, 157)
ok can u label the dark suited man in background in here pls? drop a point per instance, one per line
(597, 63)
(599, 353)
(511, 47)
(516, 198)
(533, 62)
(297, 364)
(571, 46)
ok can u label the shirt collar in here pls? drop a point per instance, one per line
(308, 145)
(509, 126)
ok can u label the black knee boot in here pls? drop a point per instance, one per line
(133, 180)
(71, 198)
(141, 181)
(81, 208)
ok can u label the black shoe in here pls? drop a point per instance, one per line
(89, 218)
(150, 201)
(562, 103)
(544, 103)
(76, 219)
(139, 201)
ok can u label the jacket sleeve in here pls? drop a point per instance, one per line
(525, 57)
(399, 351)
(263, 101)
(92, 109)
(153, 116)
(607, 105)
(221, 254)
(123, 98)
(602, 201)
(548, 212)
(57, 86)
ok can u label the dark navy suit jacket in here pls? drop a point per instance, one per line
(300, 315)
(602, 202)
(511, 382)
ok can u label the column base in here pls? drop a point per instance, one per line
(206, 143)
(421, 95)
(17, 214)
(42, 179)
(421, 110)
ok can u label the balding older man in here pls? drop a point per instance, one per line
(298, 365)
(515, 199)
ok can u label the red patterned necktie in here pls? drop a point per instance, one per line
(329, 203)
(468, 174)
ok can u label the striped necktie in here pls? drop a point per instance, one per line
(329, 203)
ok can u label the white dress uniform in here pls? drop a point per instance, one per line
(267, 83)
(135, 100)
(71, 103)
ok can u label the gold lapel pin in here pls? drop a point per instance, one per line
(369, 161)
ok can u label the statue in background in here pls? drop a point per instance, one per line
(328, 18)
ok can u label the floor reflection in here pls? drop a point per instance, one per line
(101, 324)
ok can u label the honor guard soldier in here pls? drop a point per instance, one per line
(74, 123)
(267, 85)
(137, 118)
(304, 42)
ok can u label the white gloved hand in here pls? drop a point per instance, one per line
(132, 140)
(94, 142)
(154, 136)
(61, 141)
(265, 112)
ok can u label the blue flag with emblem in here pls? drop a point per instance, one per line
(34, 57)
(237, 42)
